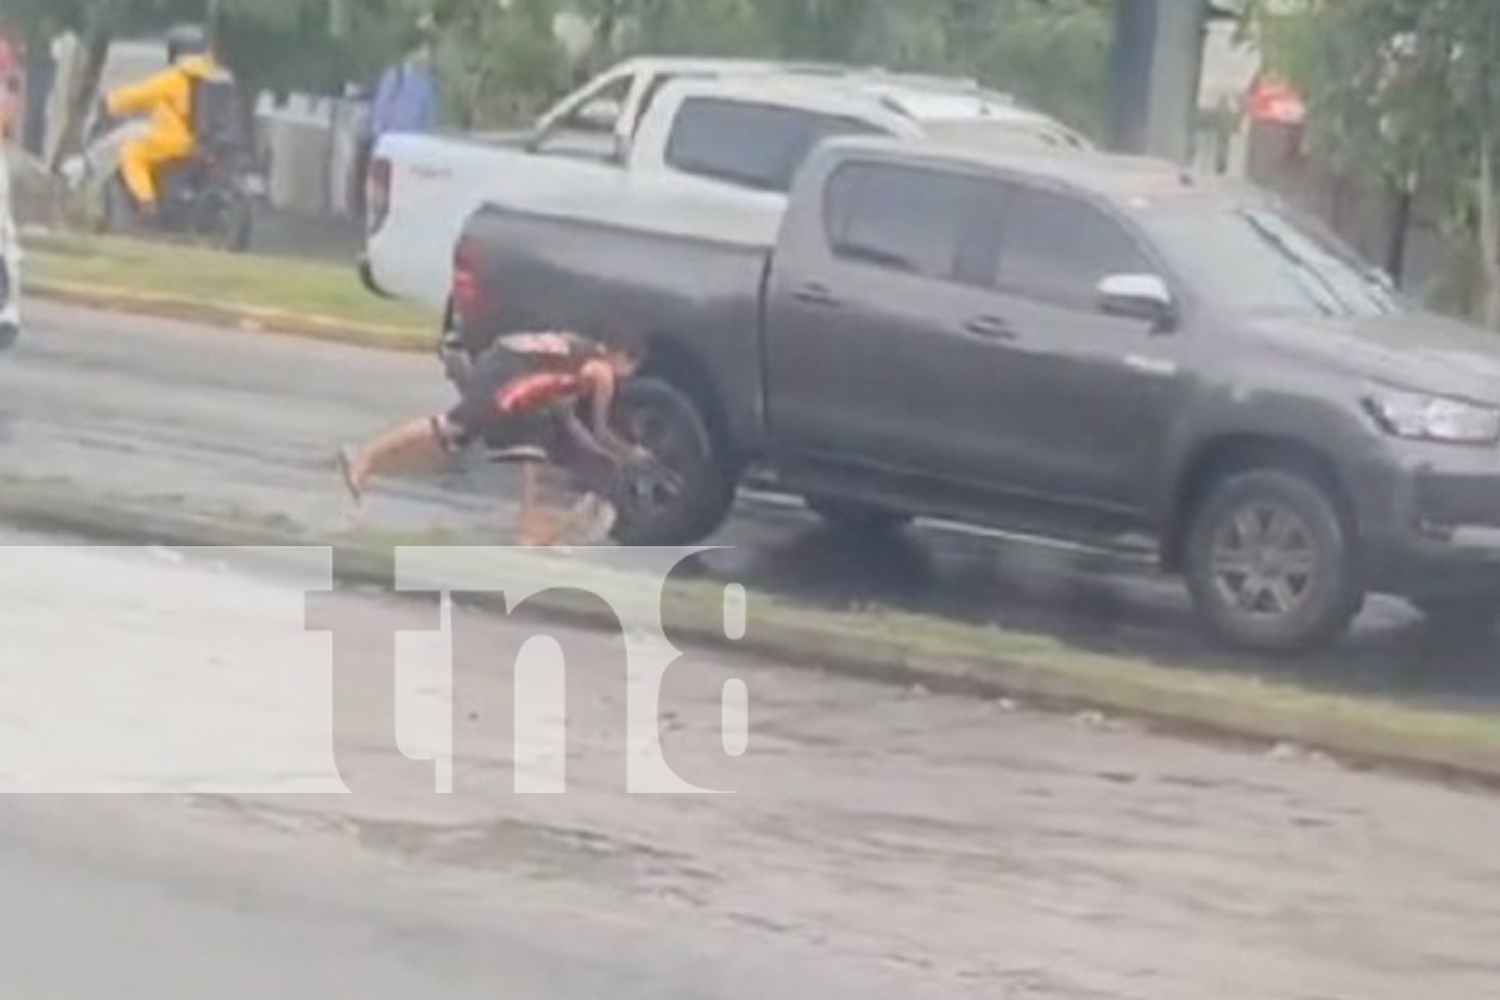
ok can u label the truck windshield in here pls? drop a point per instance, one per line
(1254, 258)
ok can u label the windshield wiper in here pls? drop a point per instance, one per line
(1304, 267)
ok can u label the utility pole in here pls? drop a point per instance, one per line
(338, 19)
(1156, 66)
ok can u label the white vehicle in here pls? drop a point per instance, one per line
(10, 262)
(678, 144)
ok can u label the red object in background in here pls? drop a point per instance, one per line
(1275, 102)
(10, 57)
(12, 88)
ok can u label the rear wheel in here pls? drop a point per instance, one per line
(116, 214)
(1270, 562)
(240, 225)
(223, 221)
(851, 515)
(660, 418)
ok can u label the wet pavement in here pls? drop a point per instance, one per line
(880, 843)
(166, 413)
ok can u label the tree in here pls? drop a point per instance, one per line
(1408, 90)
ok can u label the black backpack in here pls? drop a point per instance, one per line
(216, 119)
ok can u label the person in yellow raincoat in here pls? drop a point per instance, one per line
(167, 98)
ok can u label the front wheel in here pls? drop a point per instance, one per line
(239, 227)
(225, 221)
(1270, 563)
(116, 214)
(665, 421)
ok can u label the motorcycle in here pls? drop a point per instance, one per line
(209, 197)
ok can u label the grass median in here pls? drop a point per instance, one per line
(1249, 705)
(274, 292)
(1254, 704)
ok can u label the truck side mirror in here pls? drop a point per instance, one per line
(599, 115)
(1138, 296)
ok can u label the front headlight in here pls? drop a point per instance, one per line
(1422, 417)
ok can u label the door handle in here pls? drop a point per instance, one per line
(815, 293)
(990, 327)
(1156, 367)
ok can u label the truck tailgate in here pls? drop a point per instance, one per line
(437, 183)
(434, 183)
(701, 296)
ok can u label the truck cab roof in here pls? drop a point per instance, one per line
(946, 111)
(649, 65)
(1109, 176)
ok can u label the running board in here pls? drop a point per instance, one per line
(763, 487)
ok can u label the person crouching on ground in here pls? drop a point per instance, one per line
(522, 397)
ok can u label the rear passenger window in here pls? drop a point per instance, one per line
(909, 219)
(760, 146)
(1058, 248)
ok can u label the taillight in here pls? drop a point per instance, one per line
(377, 193)
(468, 290)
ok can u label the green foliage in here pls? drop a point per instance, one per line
(501, 61)
(498, 65)
(1408, 90)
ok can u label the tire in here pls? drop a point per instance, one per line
(662, 418)
(239, 225)
(117, 213)
(1319, 591)
(224, 221)
(851, 515)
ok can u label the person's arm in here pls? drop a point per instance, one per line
(380, 107)
(140, 98)
(602, 379)
(581, 436)
(431, 109)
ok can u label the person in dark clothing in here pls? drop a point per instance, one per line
(406, 99)
(522, 398)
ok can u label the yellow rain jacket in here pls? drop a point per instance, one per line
(167, 98)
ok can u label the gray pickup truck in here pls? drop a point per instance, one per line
(1093, 349)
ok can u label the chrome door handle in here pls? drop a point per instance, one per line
(815, 293)
(990, 328)
(1160, 367)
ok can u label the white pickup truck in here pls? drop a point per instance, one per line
(670, 143)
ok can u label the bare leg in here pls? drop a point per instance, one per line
(414, 444)
(528, 531)
(593, 517)
(540, 527)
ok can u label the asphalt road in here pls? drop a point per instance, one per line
(880, 843)
(168, 413)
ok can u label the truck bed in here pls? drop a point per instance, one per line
(702, 296)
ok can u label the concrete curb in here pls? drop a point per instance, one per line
(1359, 733)
(234, 316)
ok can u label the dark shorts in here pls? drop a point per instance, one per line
(479, 415)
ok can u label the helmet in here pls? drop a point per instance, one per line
(186, 40)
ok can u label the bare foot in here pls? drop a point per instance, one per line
(353, 514)
(346, 469)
